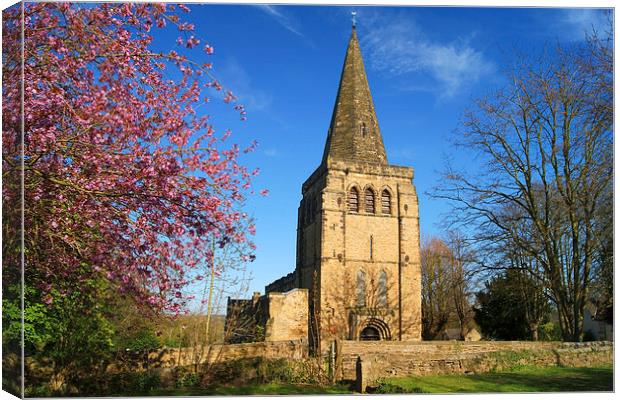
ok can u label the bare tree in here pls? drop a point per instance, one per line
(460, 280)
(435, 288)
(545, 145)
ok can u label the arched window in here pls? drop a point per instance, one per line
(354, 200)
(369, 201)
(386, 202)
(382, 292)
(363, 129)
(361, 289)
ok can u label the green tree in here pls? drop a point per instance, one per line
(545, 145)
(504, 306)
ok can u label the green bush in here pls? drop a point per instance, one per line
(133, 382)
(549, 332)
(143, 341)
(187, 379)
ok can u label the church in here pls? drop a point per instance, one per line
(357, 273)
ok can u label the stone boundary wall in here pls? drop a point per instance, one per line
(389, 359)
(283, 284)
(174, 357)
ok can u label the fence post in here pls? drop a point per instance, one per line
(332, 362)
(361, 375)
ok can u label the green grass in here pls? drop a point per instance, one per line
(256, 389)
(525, 379)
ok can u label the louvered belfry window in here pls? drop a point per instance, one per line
(369, 197)
(386, 206)
(354, 200)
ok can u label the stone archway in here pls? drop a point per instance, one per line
(375, 329)
(370, 333)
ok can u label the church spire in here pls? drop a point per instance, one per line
(354, 133)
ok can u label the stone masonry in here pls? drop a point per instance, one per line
(358, 239)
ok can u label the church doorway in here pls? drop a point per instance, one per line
(370, 333)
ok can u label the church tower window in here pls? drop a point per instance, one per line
(353, 200)
(386, 206)
(361, 289)
(369, 197)
(363, 129)
(382, 289)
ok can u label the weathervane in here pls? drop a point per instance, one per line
(353, 14)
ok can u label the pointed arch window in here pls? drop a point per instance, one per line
(382, 292)
(369, 201)
(386, 202)
(353, 201)
(361, 289)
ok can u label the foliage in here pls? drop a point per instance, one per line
(435, 288)
(128, 187)
(545, 177)
(144, 340)
(549, 332)
(445, 286)
(53, 332)
(122, 174)
(501, 310)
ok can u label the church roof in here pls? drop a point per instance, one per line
(354, 133)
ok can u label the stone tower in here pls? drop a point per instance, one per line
(358, 240)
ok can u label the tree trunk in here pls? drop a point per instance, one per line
(534, 331)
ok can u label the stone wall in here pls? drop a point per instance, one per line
(271, 317)
(388, 359)
(218, 353)
(288, 315)
(283, 284)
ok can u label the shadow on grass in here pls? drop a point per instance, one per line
(554, 379)
(251, 389)
(559, 380)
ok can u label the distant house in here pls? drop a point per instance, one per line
(455, 334)
(595, 324)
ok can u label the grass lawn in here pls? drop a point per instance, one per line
(526, 379)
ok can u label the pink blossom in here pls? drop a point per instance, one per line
(128, 176)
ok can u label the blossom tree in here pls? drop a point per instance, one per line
(124, 180)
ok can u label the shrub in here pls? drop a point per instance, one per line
(549, 332)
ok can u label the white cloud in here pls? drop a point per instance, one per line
(582, 21)
(271, 152)
(239, 82)
(399, 48)
(282, 19)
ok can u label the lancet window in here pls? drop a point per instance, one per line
(369, 201)
(353, 201)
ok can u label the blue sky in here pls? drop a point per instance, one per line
(424, 65)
